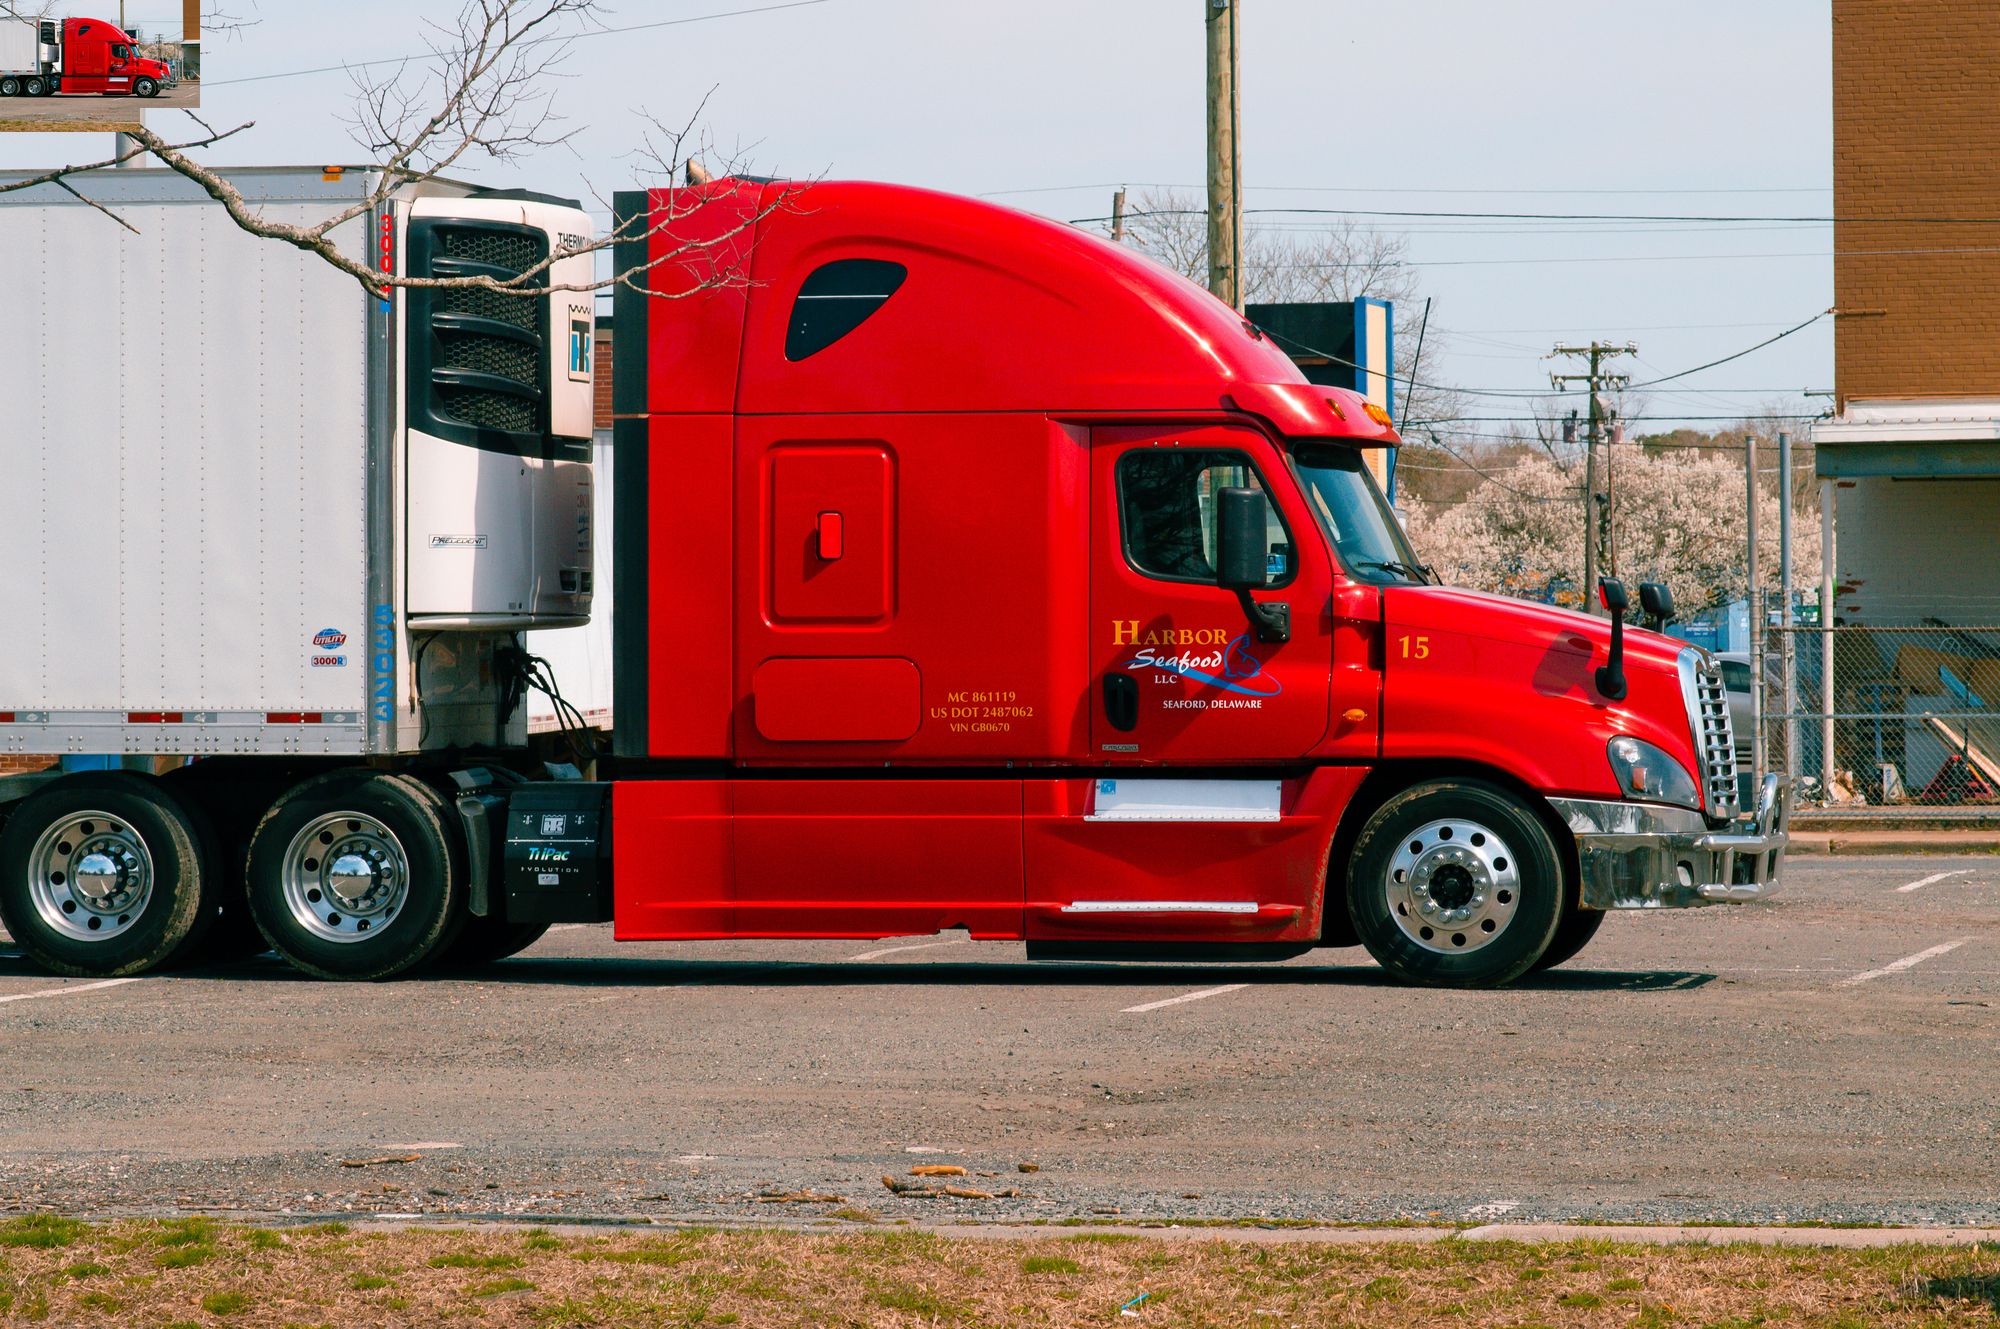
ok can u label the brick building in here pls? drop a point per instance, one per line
(1912, 455)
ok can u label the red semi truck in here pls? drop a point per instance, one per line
(74, 56)
(973, 572)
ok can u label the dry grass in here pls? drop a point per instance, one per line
(200, 1273)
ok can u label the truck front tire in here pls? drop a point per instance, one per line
(1456, 883)
(1572, 935)
(146, 87)
(357, 876)
(105, 874)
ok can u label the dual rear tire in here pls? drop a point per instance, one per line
(352, 874)
(357, 875)
(106, 874)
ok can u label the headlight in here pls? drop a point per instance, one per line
(1646, 773)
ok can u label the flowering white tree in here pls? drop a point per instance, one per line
(1680, 520)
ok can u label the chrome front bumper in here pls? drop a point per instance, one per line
(1644, 856)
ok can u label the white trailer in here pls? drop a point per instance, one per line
(25, 45)
(257, 513)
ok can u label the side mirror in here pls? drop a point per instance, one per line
(1240, 540)
(1658, 602)
(1611, 675)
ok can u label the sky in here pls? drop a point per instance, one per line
(1697, 108)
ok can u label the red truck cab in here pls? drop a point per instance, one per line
(976, 572)
(97, 57)
(101, 57)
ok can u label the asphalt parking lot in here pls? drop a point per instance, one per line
(1827, 1056)
(82, 112)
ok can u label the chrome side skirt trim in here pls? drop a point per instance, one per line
(1160, 907)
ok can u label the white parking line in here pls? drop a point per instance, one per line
(919, 946)
(1907, 962)
(1185, 996)
(65, 991)
(1935, 876)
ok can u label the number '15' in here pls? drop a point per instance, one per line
(1415, 648)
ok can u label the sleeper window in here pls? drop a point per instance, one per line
(835, 299)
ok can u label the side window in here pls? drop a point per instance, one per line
(1166, 505)
(1735, 676)
(835, 299)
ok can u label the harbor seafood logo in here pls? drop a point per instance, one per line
(1208, 657)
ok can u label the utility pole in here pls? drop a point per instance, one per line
(1118, 217)
(1225, 188)
(1788, 670)
(1595, 505)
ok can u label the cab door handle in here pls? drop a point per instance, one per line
(831, 536)
(1121, 702)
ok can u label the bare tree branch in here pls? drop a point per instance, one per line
(483, 95)
(1336, 261)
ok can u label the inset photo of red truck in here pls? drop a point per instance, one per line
(80, 64)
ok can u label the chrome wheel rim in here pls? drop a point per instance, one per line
(90, 876)
(345, 877)
(1453, 886)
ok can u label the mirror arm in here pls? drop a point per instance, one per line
(1611, 676)
(1273, 622)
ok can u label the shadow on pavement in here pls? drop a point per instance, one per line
(639, 972)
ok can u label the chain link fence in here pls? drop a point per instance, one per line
(1903, 716)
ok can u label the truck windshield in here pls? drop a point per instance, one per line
(1349, 505)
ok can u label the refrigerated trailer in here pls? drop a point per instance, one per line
(46, 57)
(970, 572)
(260, 519)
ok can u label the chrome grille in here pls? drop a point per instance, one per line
(1713, 739)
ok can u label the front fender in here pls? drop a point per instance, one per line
(1511, 685)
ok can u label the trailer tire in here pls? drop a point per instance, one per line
(358, 876)
(146, 87)
(150, 899)
(35, 86)
(1456, 883)
(1572, 935)
(487, 941)
(10, 86)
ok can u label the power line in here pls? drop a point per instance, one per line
(1472, 466)
(531, 41)
(1542, 420)
(1537, 393)
(1799, 327)
(1413, 189)
(1708, 218)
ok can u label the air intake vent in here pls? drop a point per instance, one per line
(513, 251)
(1715, 740)
(479, 357)
(489, 410)
(494, 306)
(503, 357)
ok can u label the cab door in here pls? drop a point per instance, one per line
(1180, 674)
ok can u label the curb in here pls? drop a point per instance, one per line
(1844, 1238)
(1859, 843)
